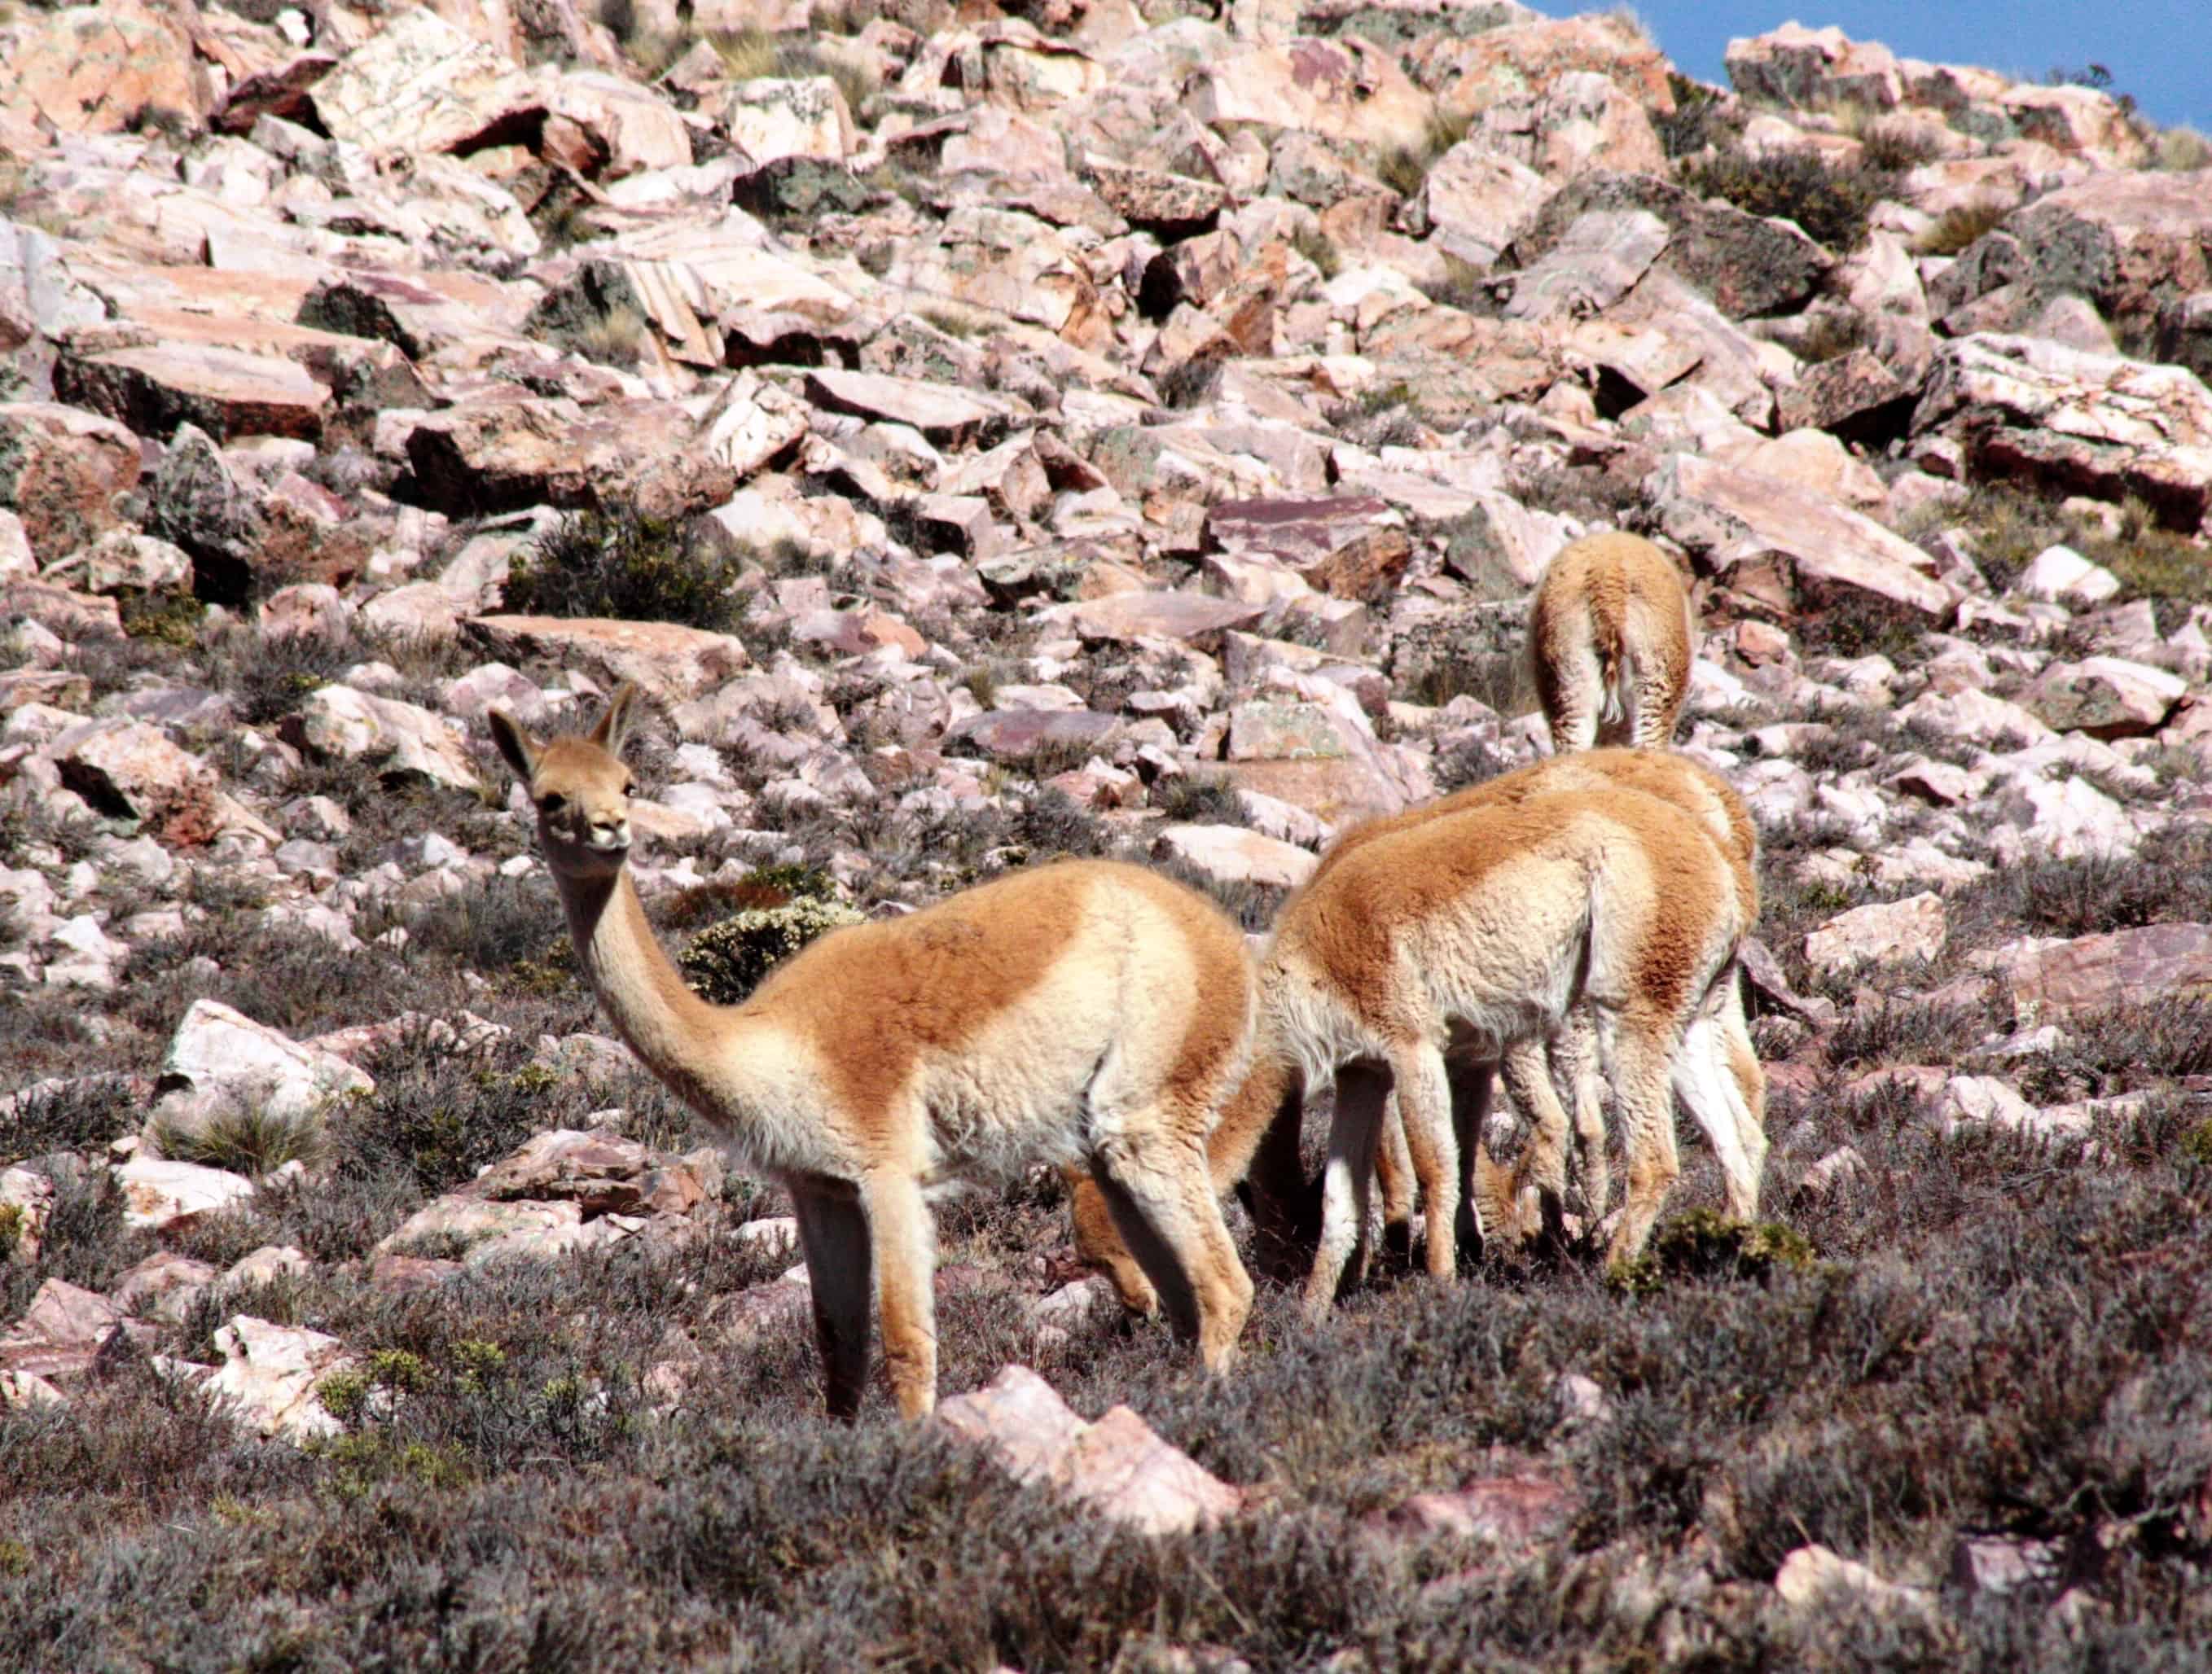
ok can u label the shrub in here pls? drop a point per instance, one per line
(2183, 150)
(616, 563)
(1405, 168)
(724, 963)
(1201, 799)
(1956, 228)
(1701, 118)
(245, 1140)
(1895, 147)
(1830, 201)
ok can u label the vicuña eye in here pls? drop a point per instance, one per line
(552, 803)
(630, 787)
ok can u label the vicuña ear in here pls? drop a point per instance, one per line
(608, 734)
(514, 743)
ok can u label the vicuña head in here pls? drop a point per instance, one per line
(1085, 1012)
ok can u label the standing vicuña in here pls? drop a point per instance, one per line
(1084, 1011)
(1246, 1144)
(1610, 643)
(1471, 936)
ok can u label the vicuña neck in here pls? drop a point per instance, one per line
(669, 1027)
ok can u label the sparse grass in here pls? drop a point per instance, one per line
(246, 1140)
(1702, 117)
(1894, 146)
(1832, 334)
(1957, 228)
(1317, 247)
(1829, 201)
(1405, 168)
(1200, 799)
(2182, 150)
(615, 339)
(1462, 287)
(617, 563)
(1190, 383)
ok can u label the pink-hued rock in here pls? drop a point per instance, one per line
(1343, 88)
(61, 468)
(1914, 928)
(163, 1283)
(1522, 61)
(159, 1193)
(1353, 546)
(129, 770)
(270, 1374)
(61, 1335)
(27, 1201)
(1236, 855)
(394, 739)
(1192, 617)
(421, 85)
(227, 392)
(668, 662)
(98, 69)
(1117, 1467)
(2024, 409)
(2127, 968)
(1734, 517)
(1511, 1513)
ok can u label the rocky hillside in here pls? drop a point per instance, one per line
(1074, 428)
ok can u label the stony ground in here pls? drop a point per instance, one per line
(1081, 428)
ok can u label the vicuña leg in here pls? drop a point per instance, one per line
(1470, 1080)
(1424, 1087)
(833, 1230)
(900, 1242)
(1575, 1065)
(1161, 1195)
(1643, 1062)
(1527, 1072)
(1096, 1242)
(1362, 1089)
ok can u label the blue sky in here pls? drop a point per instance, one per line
(2160, 50)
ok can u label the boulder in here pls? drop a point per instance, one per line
(1345, 89)
(1508, 1513)
(2128, 968)
(1353, 546)
(1735, 518)
(225, 391)
(948, 416)
(100, 70)
(1527, 60)
(165, 1283)
(420, 85)
(1117, 1467)
(669, 663)
(1234, 855)
(270, 1375)
(1194, 618)
(505, 452)
(1881, 934)
(2106, 697)
(61, 468)
(399, 740)
(2023, 409)
(1812, 69)
(129, 770)
(1815, 1578)
(770, 118)
(27, 1201)
(1747, 265)
(218, 1049)
(159, 1193)
(61, 1335)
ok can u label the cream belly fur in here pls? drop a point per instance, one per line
(1085, 1012)
(1611, 641)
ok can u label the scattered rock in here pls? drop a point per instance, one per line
(1117, 1467)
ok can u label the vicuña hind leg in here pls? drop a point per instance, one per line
(832, 1231)
(1527, 1072)
(1161, 1195)
(1362, 1089)
(1642, 1059)
(1575, 1066)
(900, 1237)
(1749, 1077)
(1393, 1180)
(1483, 1201)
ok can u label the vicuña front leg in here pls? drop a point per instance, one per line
(832, 1231)
(1161, 1195)
(1425, 1106)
